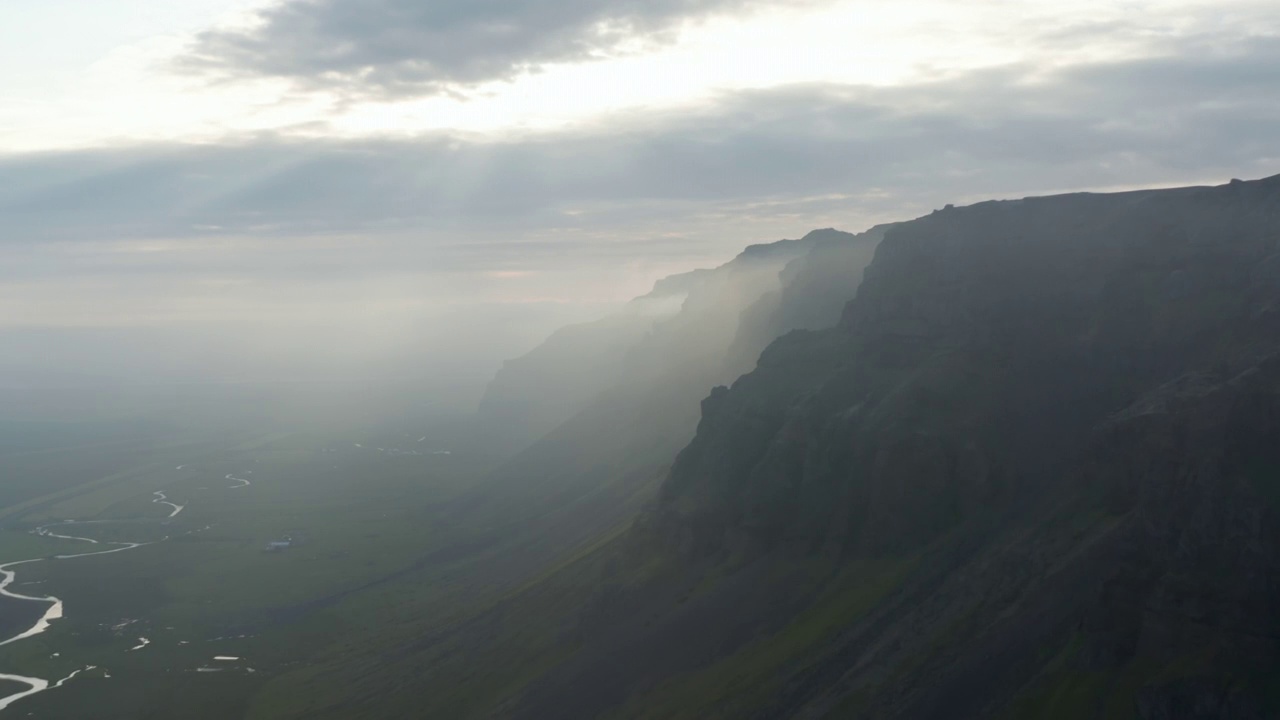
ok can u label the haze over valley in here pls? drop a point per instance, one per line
(573, 360)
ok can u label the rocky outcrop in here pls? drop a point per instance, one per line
(983, 346)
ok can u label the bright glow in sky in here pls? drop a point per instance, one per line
(77, 73)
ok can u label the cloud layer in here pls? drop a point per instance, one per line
(409, 46)
(281, 250)
(819, 150)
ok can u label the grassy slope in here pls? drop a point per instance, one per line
(745, 680)
(458, 635)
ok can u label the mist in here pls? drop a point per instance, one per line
(300, 258)
(677, 359)
(365, 360)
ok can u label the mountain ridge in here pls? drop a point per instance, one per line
(1026, 470)
(533, 394)
(991, 416)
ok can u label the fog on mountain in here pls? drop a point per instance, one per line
(379, 360)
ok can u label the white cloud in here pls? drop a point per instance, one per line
(132, 94)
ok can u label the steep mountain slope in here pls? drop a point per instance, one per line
(814, 290)
(983, 347)
(528, 541)
(693, 331)
(586, 476)
(1031, 473)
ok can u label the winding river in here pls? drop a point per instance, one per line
(38, 685)
(54, 612)
(160, 498)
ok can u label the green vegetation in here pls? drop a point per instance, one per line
(1068, 688)
(205, 586)
(747, 679)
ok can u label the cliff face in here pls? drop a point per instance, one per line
(692, 331)
(813, 291)
(1033, 471)
(1068, 408)
(983, 346)
(591, 420)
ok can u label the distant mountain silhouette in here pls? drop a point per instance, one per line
(694, 330)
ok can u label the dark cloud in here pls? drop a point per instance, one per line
(410, 46)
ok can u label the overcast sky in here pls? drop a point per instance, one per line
(406, 166)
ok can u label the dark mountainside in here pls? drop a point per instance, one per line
(1032, 471)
